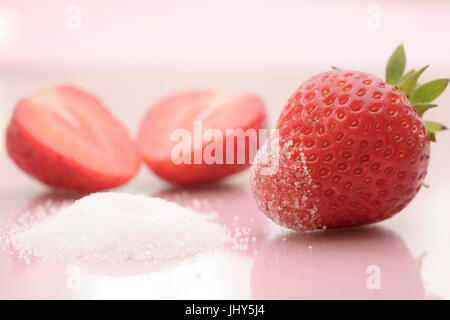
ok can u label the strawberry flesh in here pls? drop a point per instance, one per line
(66, 138)
(179, 111)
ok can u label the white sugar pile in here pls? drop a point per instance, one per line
(116, 227)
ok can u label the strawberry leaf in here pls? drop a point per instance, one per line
(396, 66)
(407, 74)
(433, 126)
(409, 82)
(432, 136)
(429, 91)
(422, 107)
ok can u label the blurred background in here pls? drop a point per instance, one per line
(214, 35)
(131, 53)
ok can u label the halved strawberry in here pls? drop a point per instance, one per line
(211, 110)
(65, 137)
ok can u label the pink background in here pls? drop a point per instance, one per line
(250, 35)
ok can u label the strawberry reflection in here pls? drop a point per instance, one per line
(229, 206)
(342, 264)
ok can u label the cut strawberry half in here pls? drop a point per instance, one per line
(66, 138)
(189, 118)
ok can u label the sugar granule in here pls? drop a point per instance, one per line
(117, 227)
(271, 191)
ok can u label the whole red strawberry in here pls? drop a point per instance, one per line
(353, 149)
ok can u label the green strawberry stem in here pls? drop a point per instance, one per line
(419, 95)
